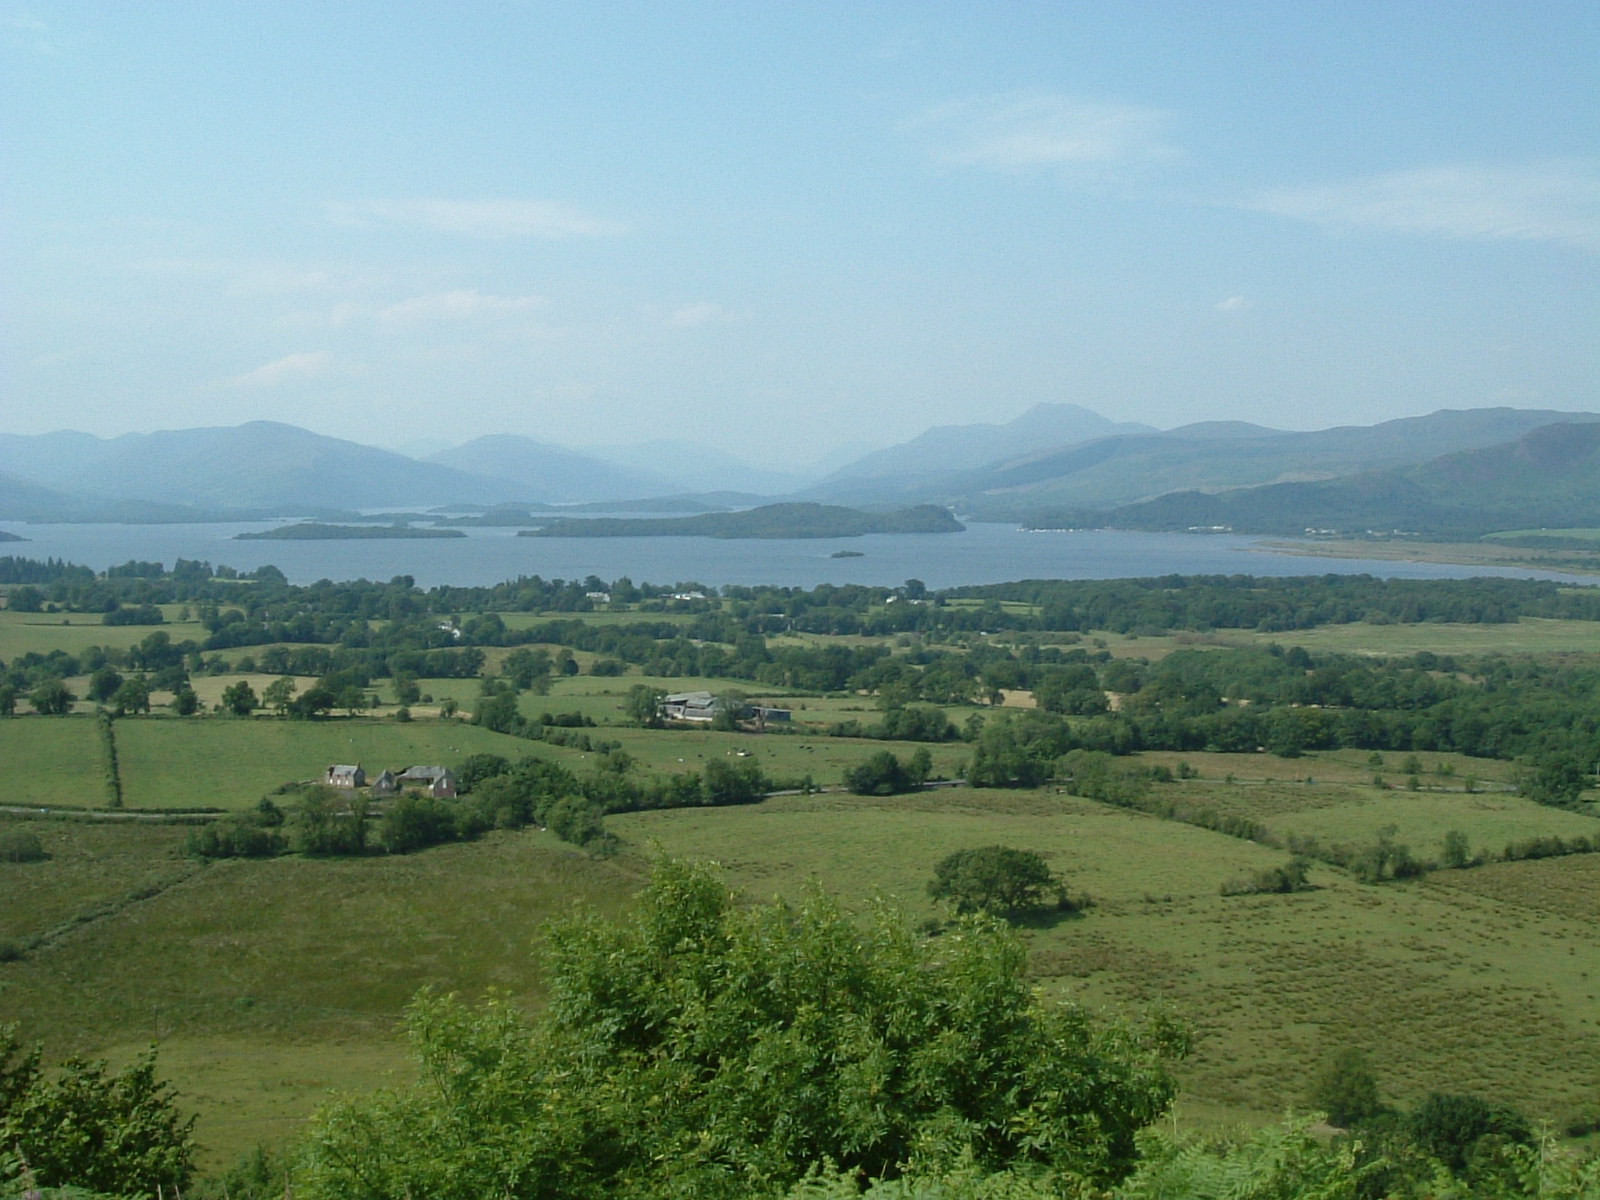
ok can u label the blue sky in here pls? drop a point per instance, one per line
(782, 228)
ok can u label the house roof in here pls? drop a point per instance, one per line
(428, 773)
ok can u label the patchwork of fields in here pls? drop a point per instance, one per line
(269, 983)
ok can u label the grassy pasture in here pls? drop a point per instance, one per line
(51, 760)
(1531, 635)
(269, 983)
(40, 633)
(782, 756)
(1445, 988)
(1334, 813)
(93, 866)
(1567, 887)
(624, 616)
(232, 763)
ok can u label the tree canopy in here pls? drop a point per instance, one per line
(119, 1134)
(994, 879)
(711, 1049)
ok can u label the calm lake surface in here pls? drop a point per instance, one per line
(982, 554)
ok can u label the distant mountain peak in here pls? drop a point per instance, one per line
(947, 448)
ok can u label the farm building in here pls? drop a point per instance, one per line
(689, 706)
(344, 775)
(438, 782)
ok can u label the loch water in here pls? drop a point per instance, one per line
(983, 553)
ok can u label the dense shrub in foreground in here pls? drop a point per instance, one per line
(713, 1050)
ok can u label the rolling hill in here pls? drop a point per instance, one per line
(1548, 477)
(262, 465)
(526, 468)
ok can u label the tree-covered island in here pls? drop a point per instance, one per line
(768, 521)
(316, 531)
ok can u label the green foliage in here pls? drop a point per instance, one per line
(1456, 1129)
(1345, 1089)
(710, 1049)
(107, 732)
(643, 705)
(21, 846)
(1291, 877)
(119, 1134)
(278, 694)
(727, 783)
(241, 836)
(884, 774)
(995, 879)
(1558, 782)
(133, 696)
(415, 822)
(1457, 850)
(103, 684)
(239, 699)
(325, 823)
(52, 698)
(1282, 1162)
(475, 768)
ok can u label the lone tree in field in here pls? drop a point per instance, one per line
(1345, 1088)
(996, 879)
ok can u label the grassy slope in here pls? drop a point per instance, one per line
(1447, 987)
(232, 763)
(270, 983)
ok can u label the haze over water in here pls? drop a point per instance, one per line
(982, 554)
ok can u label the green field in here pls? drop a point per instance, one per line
(1448, 986)
(40, 633)
(1531, 635)
(169, 762)
(267, 984)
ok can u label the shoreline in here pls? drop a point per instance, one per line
(1465, 554)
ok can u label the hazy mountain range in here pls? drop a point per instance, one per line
(1466, 470)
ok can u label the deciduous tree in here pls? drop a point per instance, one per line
(995, 879)
(717, 1050)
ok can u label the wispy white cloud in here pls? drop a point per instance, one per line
(1554, 201)
(1235, 304)
(461, 305)
(246, 277)
(482, 218)
(1021, 130)
(28, 31)
(458, 306)
(286, 369)
(688, 316)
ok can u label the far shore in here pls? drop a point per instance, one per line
(1456, 553)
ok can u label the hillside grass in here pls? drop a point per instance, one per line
(56, 760)
(1447, 986)
(268, 984)
(1530, 635)
(39, 633)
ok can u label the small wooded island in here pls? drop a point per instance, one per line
(315, 531)
(768, 521)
